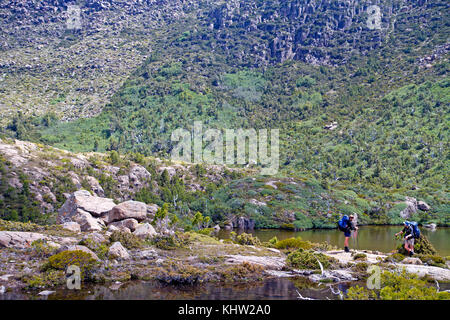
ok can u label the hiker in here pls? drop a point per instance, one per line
(410, 231)
(346, 225)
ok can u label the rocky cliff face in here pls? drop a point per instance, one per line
(70, 57)
(318, 32)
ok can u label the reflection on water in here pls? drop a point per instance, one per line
(380, 238)
(273, 289)
(269, 289)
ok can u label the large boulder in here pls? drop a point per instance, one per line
(130, 224)
(144, 231)
(151, 209)
(20, 240)
(431, 226)
(82, 199)
(411, 208)
(244, 223)
(118, 251)
(87, 222)
(125, 210)
(71, 226)
(422, 205)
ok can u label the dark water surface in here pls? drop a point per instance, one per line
(269, 289)
(272, 289)
(380, 238)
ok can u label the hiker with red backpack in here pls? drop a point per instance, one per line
(346, 225)
(410, 231)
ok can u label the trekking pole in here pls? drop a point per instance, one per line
(356, 231)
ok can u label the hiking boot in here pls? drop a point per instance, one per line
(346, 249)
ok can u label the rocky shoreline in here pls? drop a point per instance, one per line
(201, 259)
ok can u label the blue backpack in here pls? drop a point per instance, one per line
(415, 228)
(343, 223)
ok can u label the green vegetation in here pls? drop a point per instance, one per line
(396, 257)
(128, 240)
(360, 257)
(50, 278)
(100, 249)
(246, 239)
(17, 204)
(293, 243)
(20, 226)
(432, 260)
(177, 273)
(308, 259)
(64, 259)
(391, 116)
(42, 249)
(243, 271)
(402, 286)
(169, 242)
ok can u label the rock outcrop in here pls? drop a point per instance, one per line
(71, 226)
(412, 205)
(16, 239)
(82, 199)
(144, 231)
(126, 210)
(422, 205)
(86, 221)
(130, 224)
(85, 212)
(411, 260)
(243, 223)
(117, 250)
(411, 208)
(21, 240)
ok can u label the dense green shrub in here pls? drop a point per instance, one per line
(396, 257)
(247, 239)
(64, 259)
(170, 242)
(302, 222)
(128, 240)
(394, 286)
(308, 259)
(100, 249)
(48, 279)
(293, 243)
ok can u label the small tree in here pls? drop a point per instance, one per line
(197, 220)
(164, 223)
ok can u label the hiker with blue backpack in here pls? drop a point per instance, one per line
(346, 225)
(410, 232)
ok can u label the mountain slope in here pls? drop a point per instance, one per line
(358, 109)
